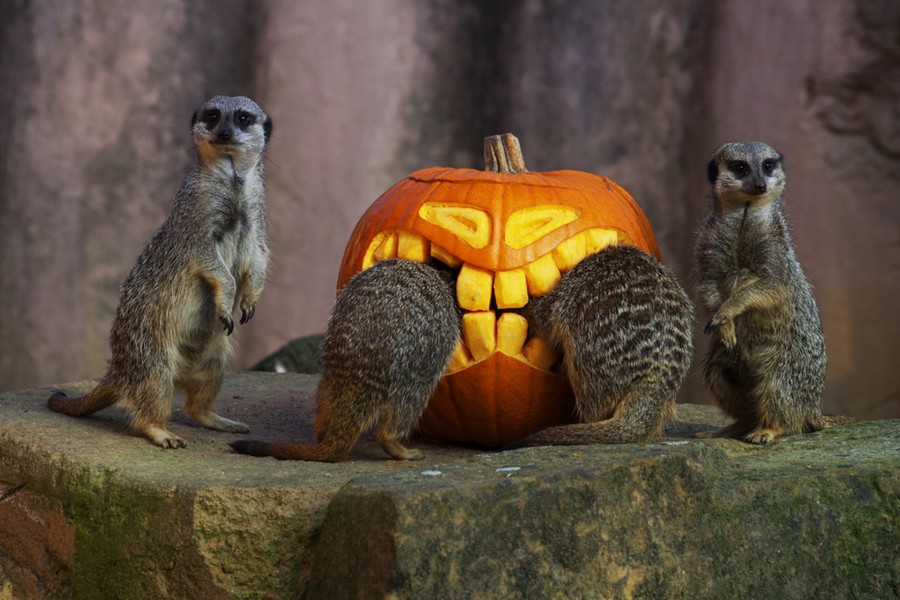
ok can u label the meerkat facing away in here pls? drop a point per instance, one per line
(625, 328)
(391, 334)
(207, 260)
(766, 362)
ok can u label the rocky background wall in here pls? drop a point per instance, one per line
(97, 98)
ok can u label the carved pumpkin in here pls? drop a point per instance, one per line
(512, 234)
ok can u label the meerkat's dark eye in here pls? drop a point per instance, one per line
(768, 166)
(739, 168)
(244, 119)
(210, 117)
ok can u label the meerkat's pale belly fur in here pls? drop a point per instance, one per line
(776, 372)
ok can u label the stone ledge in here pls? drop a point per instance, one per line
(89, 511)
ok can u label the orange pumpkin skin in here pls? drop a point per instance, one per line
(498, 399)
(601, 202)
(496, 402)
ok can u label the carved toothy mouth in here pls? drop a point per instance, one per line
(489, 299)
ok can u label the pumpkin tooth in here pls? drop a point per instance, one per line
(480, 333)
(444, 256)
(599, 238)
(540, 354)
(474, 288)
(512, 330)
(510, 289)
(570, 252)
(369, 257)
(412, 246)
(388, 247)
(460, 358)
(541, 275)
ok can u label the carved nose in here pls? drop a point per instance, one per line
(760, 188)
(225, 134)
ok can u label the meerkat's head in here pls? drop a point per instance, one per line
(746, 172)
(231, 126)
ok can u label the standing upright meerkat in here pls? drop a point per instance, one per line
(766, 362)
(391, 334)
(624, 326)
(206, 261)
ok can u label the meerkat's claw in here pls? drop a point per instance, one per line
(247, 314)
(710, 327)
(229, 324)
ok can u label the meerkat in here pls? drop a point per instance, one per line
(766, 362)
(300, 355)
(207, 260)
(391, 334)
(624, 326)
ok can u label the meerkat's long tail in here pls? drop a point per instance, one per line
(637, 419)
(100, 397)
(329, 450)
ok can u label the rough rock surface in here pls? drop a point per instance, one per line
(87, 510)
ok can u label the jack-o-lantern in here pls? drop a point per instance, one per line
(511, 234)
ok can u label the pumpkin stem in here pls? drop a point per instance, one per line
(503, 154)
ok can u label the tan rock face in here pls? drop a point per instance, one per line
(84, 507)
(98, 101)
(37, 544)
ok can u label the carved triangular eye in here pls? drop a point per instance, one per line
(528, 225)
(471, 225)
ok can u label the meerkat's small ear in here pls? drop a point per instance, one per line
(712, 171)
(267, 128)
(194, 118)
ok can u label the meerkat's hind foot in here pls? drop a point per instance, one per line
(764, 435)
(391, 444)
(211, 420)
(399, 451)
(163, 438)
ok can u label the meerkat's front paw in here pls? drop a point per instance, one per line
(248, 306)
(724, 328)
(228, 322)
(247, 314)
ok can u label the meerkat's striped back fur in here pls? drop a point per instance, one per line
(625, 328)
